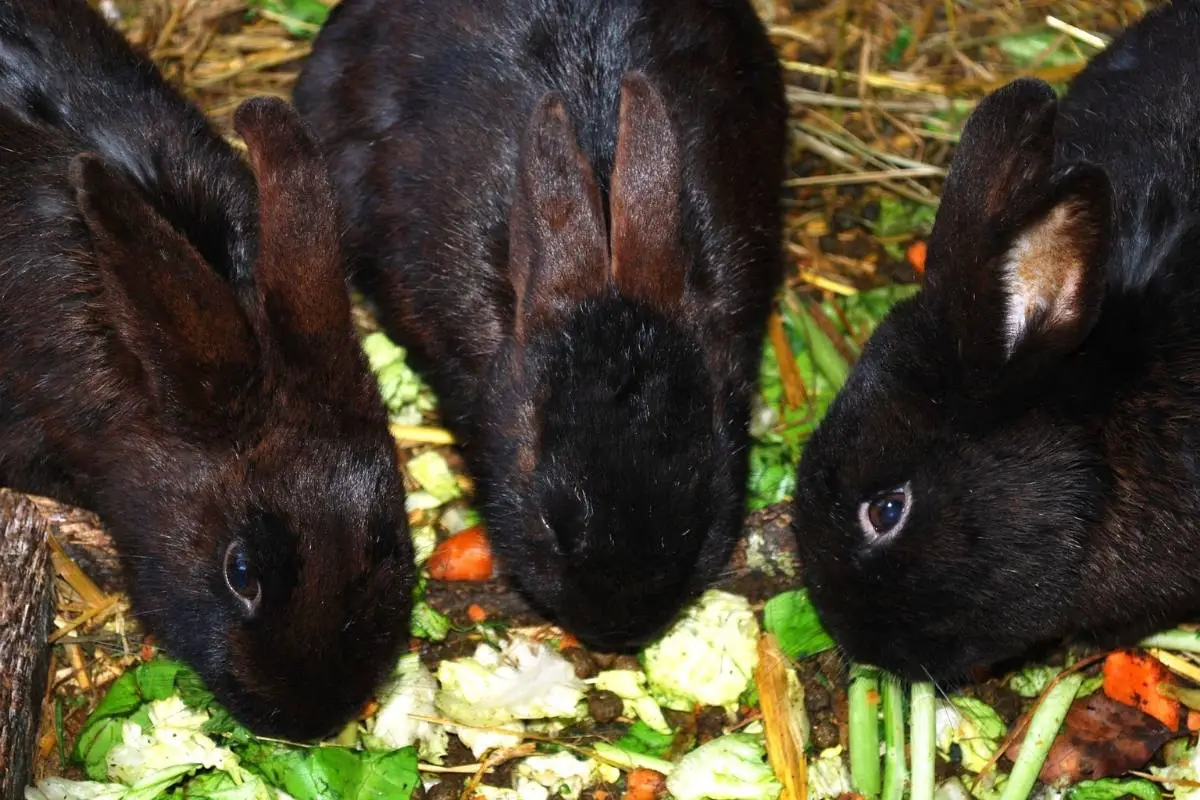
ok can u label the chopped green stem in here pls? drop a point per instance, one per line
(924, 740)
(894, 769)
(825, 354)
(863, 701)
(1043, 728)
(1175, 639)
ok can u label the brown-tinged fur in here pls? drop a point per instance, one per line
(177, 355)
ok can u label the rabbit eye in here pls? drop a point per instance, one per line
(884, 514)
(240, 576)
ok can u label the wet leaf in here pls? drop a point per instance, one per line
(790, 616)
(156, 679)
(1100, 738)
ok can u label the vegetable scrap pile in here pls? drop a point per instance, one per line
(738, 700)
(734, 701)
(559, 720)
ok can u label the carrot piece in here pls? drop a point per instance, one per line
(644, 784)
(1193, 720)
(916, 253)
(1132, 678)
(476, 613)
(567, 640)
(465, 556)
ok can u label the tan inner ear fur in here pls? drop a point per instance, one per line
(1044, 274)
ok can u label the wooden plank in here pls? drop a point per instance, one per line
(26, 613)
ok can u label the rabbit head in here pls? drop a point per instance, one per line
(254, 491)
(604, 463)
(945, 503)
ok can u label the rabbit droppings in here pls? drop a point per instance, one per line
(178, 356)
(1015, 460)
(568, 211)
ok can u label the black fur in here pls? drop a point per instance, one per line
(177, 355)
(1055, 484)
(603, 406)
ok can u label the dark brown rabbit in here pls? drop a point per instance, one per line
(178, 355)
(569, 211)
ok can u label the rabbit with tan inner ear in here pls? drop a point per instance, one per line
(1016, 457)
(178, 356)
(569, 211)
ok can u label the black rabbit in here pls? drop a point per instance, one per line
(569, 211)
(178, 356)
(1015, 460)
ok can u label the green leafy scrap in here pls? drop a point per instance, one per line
(641, 738)
(899, 217)
(429, 623)
(93, 744)
(305, 774)
(156, 679)
(791, 617)
(1113, 788)
(1046, 48)
(125, 699)
(898, 46)
(325, 772)
(405, 395)
(778, 432)
(302, 18)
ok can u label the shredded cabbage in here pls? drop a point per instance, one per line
(62, 789)
(708, 656)
(564, 774)
(525, 680)
(175, 739)
(630, 686)
(730, 767)
(828, 776)
(411, 692)
(971, 724)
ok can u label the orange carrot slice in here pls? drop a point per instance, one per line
(644, 784)
(916, 253)
(1132, 678)
(476, 613)
(465, 556)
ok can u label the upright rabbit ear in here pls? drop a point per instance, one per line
(647, 261)
(299, 273)
(557, 246)
(1016, 255)
(169, 308)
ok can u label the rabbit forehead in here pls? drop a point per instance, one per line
(318, 480)
(896, 402)
(621, 364)
(904, 416)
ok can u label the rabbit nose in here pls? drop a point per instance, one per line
(614, 631)
(616, 641)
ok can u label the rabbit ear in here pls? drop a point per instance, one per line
(299, 273)
(646, 249)
(168, 306)
(557, 246)
(1016, 256)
